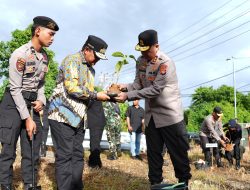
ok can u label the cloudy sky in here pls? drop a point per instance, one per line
(198, 35)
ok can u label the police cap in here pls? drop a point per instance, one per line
(232, 123)
(218, 111)
(98, 45)
(146, 40)
(46, 22)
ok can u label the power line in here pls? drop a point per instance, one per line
(215, 79)
(210, 39)
(213, 21)
(196, 22)
(210, 31)
(212, 46)
(243, 86)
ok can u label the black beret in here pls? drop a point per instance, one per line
(45, 22)
(146, 40)
(98, 45)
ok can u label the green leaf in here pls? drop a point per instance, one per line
(118, 66)
(125, 62)
(117, 54)
(132, 57)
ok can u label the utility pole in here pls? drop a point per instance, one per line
(234, 83)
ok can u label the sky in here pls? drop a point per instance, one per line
(204, 38)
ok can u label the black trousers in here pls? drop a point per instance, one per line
(96, 123)
(11, 127)
(176, 141)
(67, 142)
(235, 153)
(207, 151)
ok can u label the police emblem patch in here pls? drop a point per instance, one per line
(51, 25)
(163, 69)
(20, 64)
(141, 42)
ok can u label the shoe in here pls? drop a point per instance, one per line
(95, 159)
(6, 187)
(230, 162)
(237, 164)
(133, 157)
(118, 150)
(112, 157)
(43, 150)
(138, 157)
(119, 153)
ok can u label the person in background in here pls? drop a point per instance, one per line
(96, 123)
(113, 129)
(135, 123)
(234, 134)
(211, 132)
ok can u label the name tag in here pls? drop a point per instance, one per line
(211, 145)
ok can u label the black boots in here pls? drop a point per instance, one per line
(95, 159)
(112, 156)
(6, 187)
(237, 164)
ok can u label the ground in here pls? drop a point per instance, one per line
(128, 174)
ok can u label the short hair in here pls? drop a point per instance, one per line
(33, 29)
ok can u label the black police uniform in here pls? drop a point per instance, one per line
(26, 74)
(235, 138)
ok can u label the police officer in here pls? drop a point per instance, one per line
(27, 68)
(211, 132)
(157, 82)
(113, 129)
(67, 111)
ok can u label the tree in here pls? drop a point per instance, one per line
(20, 37)
(206, 98)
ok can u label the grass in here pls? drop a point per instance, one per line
(128, 174)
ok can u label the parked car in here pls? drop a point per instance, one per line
(194, 137)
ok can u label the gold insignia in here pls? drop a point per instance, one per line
(31, 69)
(51, 25)
(103, 50)
(141, 42)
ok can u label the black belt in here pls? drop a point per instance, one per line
(30, 96)
(27, 95)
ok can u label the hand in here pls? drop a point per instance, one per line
(223, 143)
(226, 139)
(30, 127)
(130, 129)
(102, 96)
(122, 97)
(37, 105)
(122, 87)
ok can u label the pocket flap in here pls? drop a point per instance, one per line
(5, 122)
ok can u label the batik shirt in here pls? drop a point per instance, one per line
(75, 87)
